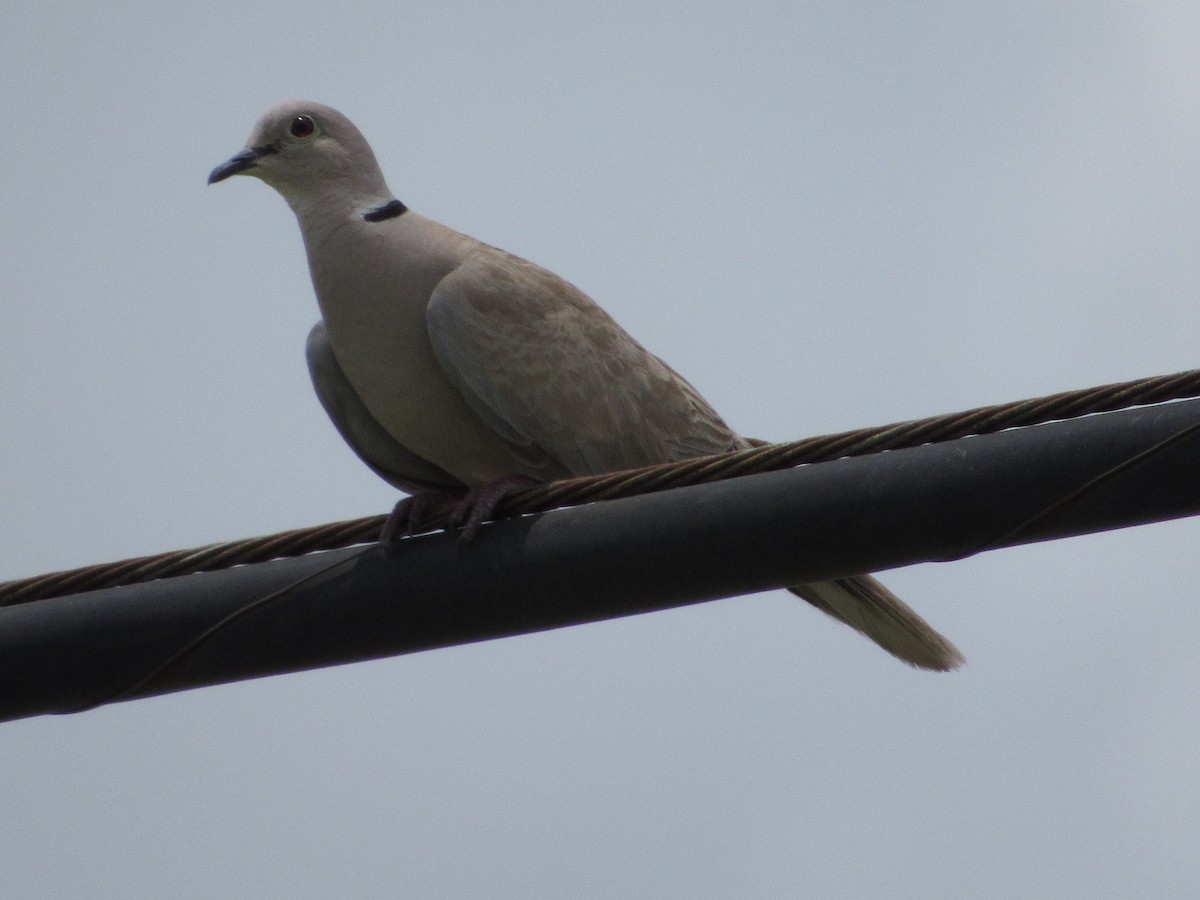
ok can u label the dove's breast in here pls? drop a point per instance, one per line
(373, 283)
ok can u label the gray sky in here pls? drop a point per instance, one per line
(825, 216)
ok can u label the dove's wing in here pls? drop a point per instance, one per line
(543, 365)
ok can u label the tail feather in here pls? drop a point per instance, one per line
(867, 606)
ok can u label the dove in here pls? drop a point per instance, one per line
(453, 367)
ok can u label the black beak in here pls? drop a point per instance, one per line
(240, 162)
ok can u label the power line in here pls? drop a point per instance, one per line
(934, 502)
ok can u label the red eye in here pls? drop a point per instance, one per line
(303, 126)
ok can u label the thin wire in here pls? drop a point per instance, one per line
(212, 630)
(1010, 535)
(700, 470)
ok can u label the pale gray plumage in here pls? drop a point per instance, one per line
(447, 363)
(370, 440)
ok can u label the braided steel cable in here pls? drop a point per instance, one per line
(576, 491)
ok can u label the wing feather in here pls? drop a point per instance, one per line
(542, 364)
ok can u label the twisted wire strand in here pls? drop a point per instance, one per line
(575, 491)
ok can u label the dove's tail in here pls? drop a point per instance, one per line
(867, 606)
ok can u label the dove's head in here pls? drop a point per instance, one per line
(311, 154)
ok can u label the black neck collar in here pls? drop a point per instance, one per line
(389, 210)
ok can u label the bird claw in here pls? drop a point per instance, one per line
(479, 503)
(472, 509)
(408, 517)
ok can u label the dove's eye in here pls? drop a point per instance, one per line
(302, 126)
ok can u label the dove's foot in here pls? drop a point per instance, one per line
(478, 505)
(409, 516)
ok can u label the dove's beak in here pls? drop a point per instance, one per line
(240, 162)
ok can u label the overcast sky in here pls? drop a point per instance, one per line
(824, 215)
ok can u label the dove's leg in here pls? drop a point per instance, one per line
(408, 516)
(478, 505)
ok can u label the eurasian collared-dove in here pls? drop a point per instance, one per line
(447, 364)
